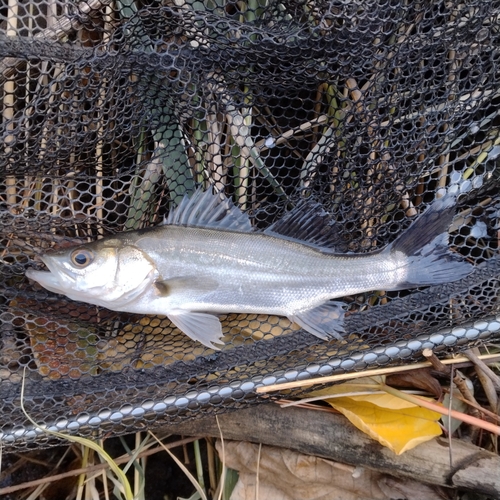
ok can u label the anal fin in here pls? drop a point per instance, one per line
(324, 321)
(203, 327)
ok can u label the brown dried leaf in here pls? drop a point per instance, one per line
(416, 379)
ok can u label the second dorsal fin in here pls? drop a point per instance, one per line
(308, 223)
(209, 210)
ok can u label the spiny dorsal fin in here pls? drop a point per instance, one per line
(209, 210)
(308, 223)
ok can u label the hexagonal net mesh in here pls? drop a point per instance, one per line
(113, 111)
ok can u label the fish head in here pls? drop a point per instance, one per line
(108, 272)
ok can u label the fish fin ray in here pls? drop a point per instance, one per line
(308, 223)
(185, 284)
(209, 210)
(433, 222)
(202, 327)
(425, 243)
(324, 321)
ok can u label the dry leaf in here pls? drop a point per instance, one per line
(452, 424)
(416, 379)
(394, 423)
(288, 475)
(356, 386)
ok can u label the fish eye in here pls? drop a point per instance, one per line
(82, 257)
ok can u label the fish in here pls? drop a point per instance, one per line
(206, 259)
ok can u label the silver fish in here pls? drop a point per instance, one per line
(206, 259)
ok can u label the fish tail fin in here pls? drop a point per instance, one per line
(425, 244)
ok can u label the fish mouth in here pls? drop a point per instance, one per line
(45, 278)
(55, 279)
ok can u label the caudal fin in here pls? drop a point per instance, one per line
(425, 243)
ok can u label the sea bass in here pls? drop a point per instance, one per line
(206, 259)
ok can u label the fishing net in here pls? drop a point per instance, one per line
(114, 110)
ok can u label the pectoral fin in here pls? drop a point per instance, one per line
(204, 328)
(324, 321)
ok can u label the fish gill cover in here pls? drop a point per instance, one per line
(116, 112)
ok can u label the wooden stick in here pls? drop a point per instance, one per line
(332, 436)
(435, 361)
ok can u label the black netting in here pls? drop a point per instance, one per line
(113, 111)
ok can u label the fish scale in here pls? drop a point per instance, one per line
(207, 260)
(271, 268)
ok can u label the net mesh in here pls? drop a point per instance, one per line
(114, 110)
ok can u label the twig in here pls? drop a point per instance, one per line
(367, 373)
(488, 379)
(461, 382)
(436, 363)
(486, 413)
(450, 404)
(198, 487)
(478, 361)
(223, 460)
(488, 387)
(463, 417)
(91, 468)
